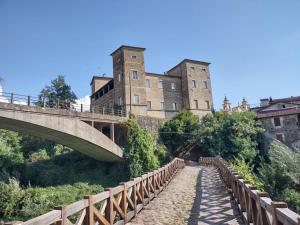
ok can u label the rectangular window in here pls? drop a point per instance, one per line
(196, 104)
(120, 101)
(119, 77)
(134, 56)
(277, 122)
(193, 83)
(147, 83)
(148, 105)
(173, 86)
(205, 84)
(135, 75)
(162, 105)
(174, 106)
(160, 83)
(280, 137)
(136, 99)
(207, 104)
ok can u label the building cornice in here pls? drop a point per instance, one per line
(129, 48)
(190, 61)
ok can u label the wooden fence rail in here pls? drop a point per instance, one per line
(256, 207)
(115, 206)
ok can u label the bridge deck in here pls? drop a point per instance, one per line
(195, 196)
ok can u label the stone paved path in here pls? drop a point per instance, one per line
(195, 196)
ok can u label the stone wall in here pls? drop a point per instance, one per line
(290, 129)
(150, 123)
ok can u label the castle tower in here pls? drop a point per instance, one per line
(129, 79)
(196, 85)
(245, 106)
(226, 105)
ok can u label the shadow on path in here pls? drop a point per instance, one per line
(212, 204)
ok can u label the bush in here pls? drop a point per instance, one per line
(142, 152)
(231, 135)
(180, 129)
(281, 176)
(293, 198)
(246, 171)
(23, 204)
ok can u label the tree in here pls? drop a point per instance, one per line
(230, 135)
(58, 94)
(281, 176)
(142, 152)
(180, 129)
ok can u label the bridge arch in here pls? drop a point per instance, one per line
(68, 131)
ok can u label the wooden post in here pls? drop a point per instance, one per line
(89, 218)
(124, 202)
(63, 218)
(134, 196)
(276, 205)
(28, 100)
(261, 218)
(81, 108)
(109, 211)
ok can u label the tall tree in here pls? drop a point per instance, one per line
(58, 94)
(179, 130)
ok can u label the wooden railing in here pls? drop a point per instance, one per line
(115, 206)
(256, 207)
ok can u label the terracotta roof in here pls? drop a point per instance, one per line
(279, 112)
(286, 100)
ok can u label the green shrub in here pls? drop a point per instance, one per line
(281, 175)
(10, 196)
(246, 171)
(180, 129)
(23, 204)
(142, 152)
(293, 198)
(230, 135)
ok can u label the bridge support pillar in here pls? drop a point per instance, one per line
(112, 132)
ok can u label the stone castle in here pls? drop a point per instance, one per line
(186, 85)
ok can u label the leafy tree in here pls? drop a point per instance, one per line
(11, 155)
(142, 152)
(58, 94)
(230, 135)
(281, 176)
(180, 129)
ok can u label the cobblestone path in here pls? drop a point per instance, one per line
(195, 196)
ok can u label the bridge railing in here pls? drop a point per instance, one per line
(45, 102)
(257, 207)
(115, 206)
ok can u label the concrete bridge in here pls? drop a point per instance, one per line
(92, 134)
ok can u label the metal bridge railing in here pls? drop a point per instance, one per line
(46, 102)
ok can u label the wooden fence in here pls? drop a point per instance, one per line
(256, 207)
(115, 206)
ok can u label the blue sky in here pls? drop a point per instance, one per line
(253, 45)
